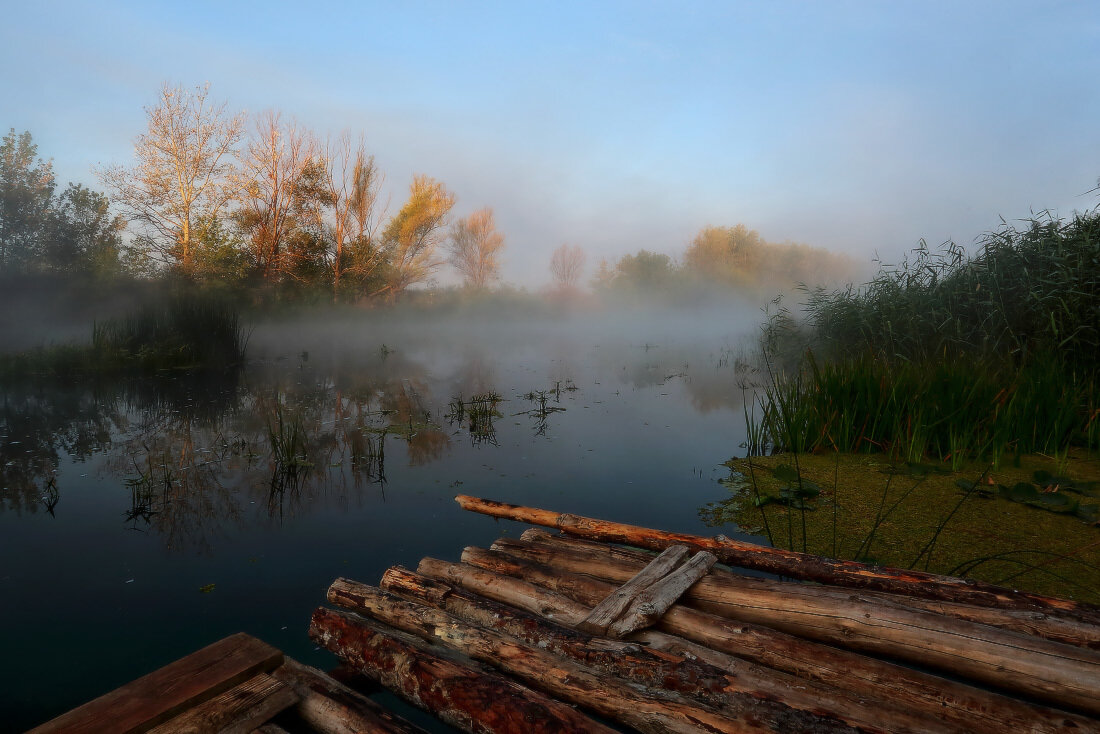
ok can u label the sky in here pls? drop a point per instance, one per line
(862, 127)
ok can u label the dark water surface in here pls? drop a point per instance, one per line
(141, 520)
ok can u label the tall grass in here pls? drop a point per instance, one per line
(950, 356)
(182, 331)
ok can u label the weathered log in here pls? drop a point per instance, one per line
(1060, 674)
(330, 707)
(461, 693)
(793, 564)
(965, 706)
(653, 602)
(236, 711)
(608, 610)
(646, 709)
(720, 687)
(1037, 624)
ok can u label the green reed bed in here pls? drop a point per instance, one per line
(948, 356)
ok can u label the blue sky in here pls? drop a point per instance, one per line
(858, 126)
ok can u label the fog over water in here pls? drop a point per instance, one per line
(157, 507)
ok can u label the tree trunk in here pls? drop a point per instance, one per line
(726, 687)
(962, 705)
(793, 564)
(330, 707)
(1050, 671)
(462, 695)
(1058, 629)
(647, 710)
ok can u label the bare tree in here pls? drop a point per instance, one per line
(567, 265)
(276, 164)
(184, 173)
(475, 248)
(413, 234)
(352, 183)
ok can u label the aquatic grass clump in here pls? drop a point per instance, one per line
(948, 356)
(182, 331)
(948, 410)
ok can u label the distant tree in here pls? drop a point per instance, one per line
(475, 247)
(411, 237)
(26, 193)
(82, 236)
(645, 270)
(272, 185)
(567, 266)
(726, 254)
(183, 173)
(351, 183)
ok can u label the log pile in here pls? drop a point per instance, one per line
(578, 632)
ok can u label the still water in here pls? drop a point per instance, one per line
(142, 519)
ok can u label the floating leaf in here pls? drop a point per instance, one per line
(206, 589)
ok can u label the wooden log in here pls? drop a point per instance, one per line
(270, 728)
(1038, 624)
(237, 711)
(330, 707)
(608, 610)
(1059, 674)
(652, 603)
(463, 694)
(793, 564)
(640, 664)
(154, 698)
(653, 711)
(970, 708)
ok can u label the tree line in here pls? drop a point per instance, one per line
(263, 205)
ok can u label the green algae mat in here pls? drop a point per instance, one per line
(1031, 524)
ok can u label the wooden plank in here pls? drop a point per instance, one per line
(237, 711)
(608, 610)
(651, 604)
(154, 698)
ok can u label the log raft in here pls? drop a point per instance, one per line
(607, 627)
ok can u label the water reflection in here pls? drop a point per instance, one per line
(200, 456)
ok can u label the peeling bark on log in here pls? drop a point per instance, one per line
(464, 695)
(653, 602)
(649, 710)
(793, 564)
(1060, 674)
(1037, 624)
(608, 610)
(641, 664)
(330, 707)
(962, 705)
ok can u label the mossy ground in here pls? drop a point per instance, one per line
(983, 537)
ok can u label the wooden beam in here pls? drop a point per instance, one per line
(653, 602)
(608, 610)
(154, 698)
(792, 564)
(237, 711)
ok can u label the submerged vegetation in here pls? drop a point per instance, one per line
(979, 521)
(947, 356)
